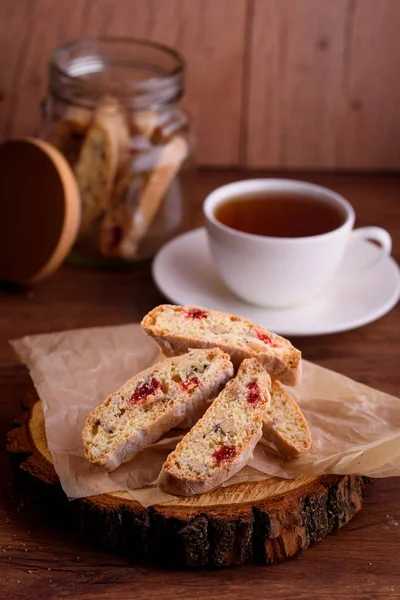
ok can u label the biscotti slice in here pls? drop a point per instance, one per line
(105, 150)
(151, 403)
(285, 425)
(168, 163)
(223, 440)
(116, 222)
(177, 328)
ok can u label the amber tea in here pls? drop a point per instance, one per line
(280, 215)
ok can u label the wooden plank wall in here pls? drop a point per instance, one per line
(270, 83)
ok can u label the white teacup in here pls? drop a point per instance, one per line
(281, 272)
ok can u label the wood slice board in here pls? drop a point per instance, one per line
(261, 522)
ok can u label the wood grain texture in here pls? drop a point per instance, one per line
(270, 83)
(295, 75)
(14, 34)
(40, 554)
(50, 24)
(368, 129)
(322, 85)
(209, 35)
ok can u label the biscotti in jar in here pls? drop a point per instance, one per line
(113, 110)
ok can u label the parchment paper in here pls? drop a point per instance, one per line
(354, 428)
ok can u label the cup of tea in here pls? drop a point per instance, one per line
(277, 242)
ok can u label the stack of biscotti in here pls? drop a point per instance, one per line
(177, 328)
(125, 165)
(205, 348)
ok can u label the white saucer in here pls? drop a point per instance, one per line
(366, 288)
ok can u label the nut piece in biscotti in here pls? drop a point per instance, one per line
(222, 442)
(151, 403)
(104, 152)
(177, 328)
(285, 426)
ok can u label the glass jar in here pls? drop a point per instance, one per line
(113, 110)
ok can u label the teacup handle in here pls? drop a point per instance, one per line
(378, 235)
(374, 234)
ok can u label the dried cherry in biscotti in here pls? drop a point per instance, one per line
(148, 388)
(196, 313)
(265, 338)
(225, 453)
(190, 384)
(254, 394)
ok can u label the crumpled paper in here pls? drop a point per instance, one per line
(354, 428)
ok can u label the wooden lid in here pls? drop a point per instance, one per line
(39, 210)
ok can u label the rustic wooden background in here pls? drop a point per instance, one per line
(271, 83)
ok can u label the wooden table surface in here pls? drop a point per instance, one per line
(43, 559)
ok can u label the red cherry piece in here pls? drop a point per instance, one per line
(224, 453)
(149, 388)
(196, 313)
(254, 394)
(190, 384)
(265, 338)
